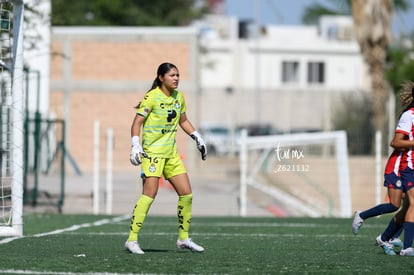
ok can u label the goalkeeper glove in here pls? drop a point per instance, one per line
(201, 145)
(136, 151)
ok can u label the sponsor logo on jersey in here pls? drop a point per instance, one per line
(164, 131)
(177, 105)
(165, 105)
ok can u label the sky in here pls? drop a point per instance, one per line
(289, 12)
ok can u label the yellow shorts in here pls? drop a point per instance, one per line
(156, 167)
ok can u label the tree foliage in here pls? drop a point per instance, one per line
(315, 10)
(126, 12)
(400, 68)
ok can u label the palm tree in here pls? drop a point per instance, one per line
(372, 21)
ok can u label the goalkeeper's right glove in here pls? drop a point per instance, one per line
(136, 151)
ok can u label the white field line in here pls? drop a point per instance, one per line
(71, 228)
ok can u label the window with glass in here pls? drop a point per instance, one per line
(316, 72)
(290, 72)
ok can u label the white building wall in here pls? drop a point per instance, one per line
(217, 68)
(253, 68)
(344, 66)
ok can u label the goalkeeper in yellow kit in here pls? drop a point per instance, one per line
(158, 115)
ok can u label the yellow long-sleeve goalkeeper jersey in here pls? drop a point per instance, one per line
(162, 115)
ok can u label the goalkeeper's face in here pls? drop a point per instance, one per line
(171, 79)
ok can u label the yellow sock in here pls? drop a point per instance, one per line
(184, 213)
(138, 216)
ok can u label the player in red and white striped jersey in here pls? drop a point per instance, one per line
(404, 141)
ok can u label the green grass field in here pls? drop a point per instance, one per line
(87, 244)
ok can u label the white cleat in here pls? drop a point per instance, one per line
(189, 244)
(133, 247)
(386, 246)
(407, 252)
(357, 223)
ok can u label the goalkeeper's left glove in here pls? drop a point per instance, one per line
(201, 145)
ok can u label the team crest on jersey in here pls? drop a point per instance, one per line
(152, 168)
(398, 183)
(177, 105)
(146, 110)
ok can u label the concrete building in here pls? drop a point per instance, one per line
(279, 75)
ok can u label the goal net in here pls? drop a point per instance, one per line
(12, 117)
(304, 174)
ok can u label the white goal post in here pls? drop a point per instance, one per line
(12, 118)
(265, 145)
